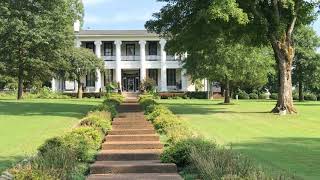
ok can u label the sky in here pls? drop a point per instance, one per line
(125, 14)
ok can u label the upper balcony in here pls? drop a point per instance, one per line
(130, 51)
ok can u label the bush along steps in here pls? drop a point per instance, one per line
(68, 156)
(132, 149)
(199, 158)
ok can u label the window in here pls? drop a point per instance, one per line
(153, 74)
(171, 77)
(91, 79)
(130, 49)
(153, 48)
(90, 45)
(108, 49)
(108, 76)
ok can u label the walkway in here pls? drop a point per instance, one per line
(132, 149)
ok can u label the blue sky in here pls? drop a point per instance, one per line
(125, 14)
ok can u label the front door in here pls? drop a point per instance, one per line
(131, 84)
(130, 80)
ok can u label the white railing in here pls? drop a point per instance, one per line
(153, 58)
(130, 58)
(109, 58)
(173, 58)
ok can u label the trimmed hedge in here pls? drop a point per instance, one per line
(67, 156)
(198, 95)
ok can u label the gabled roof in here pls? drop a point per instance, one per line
(115, 33)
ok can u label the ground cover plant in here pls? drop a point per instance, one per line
(25, 125)
(196, 156)
(289, 144)
(67, 156)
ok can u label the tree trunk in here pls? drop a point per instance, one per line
(301, 97)
(20, 83)
(79, 93)
(227, 92)
(284, 53)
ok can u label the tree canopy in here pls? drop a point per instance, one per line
(80, 62)
(190, 25)
(33, 35)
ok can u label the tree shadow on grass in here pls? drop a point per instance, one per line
(299, 156)
(46, 109)
(9, 161)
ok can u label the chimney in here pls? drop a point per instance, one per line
(76, 26)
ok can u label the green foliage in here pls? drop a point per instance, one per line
(145, 102)
(253, 96)
(274, 96)
(242, 94)
(262, 96)
(88, 134)
(114, 99)
(34, 35)
(27, 172)
(110, 87)
(148, 85)
(157, 110)
(106, 107)
(165, 122)
(310, 97)
(179, 153)
(45, 93)
(197, 95)
(99, 120)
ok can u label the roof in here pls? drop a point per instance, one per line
(116, 32)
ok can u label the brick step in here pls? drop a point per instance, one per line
(144, 137)
(134, 119)
(128, 155)
(129, 122)
(133, 126)
(136, 176)
(116, 167)
(132, 132)
(132, 145)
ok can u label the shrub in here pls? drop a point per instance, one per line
(112, 102)
(27, 172)
(242, 94)
(115, 96)
(165, 121)
(98, 120)
(178, 133)
(148, 85)
(295, 96)
(179, 153)
(157, 111)
(147, 102)
(274, 96)
(91, 135)
(262, 96)
(253, 96)
(310, 97)
(106, 107)
(45, 93)
(197, 95)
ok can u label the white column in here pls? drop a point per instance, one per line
(163, 66)
(142, 60)
(53, 85)
(118, 61)
(184, 80)
(78, 43)
(98, 72)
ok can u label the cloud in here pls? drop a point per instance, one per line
(117, 18)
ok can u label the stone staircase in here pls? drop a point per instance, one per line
(132, 149)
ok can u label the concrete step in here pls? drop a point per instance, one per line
(132, 126)
(132, 131)
(136, 176)
(126, 119)
(129, 155)
(132, 145)
(115, 167)
(144, 137)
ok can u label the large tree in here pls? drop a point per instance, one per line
(80, 62)
(231, 65)
(306, 71)
(34, 34)
(189, 24)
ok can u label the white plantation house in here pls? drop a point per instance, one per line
(130, 57)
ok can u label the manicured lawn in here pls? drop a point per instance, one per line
(25, 125)
(290, 143)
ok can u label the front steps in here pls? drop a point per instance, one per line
(132, 150)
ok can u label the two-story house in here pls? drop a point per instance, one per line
(130, 57)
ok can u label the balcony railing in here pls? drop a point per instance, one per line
(109, 58)
(153, 58)
(130, 58)
(173, 58)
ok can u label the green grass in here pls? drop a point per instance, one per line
(25, 125)
(289, 143)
